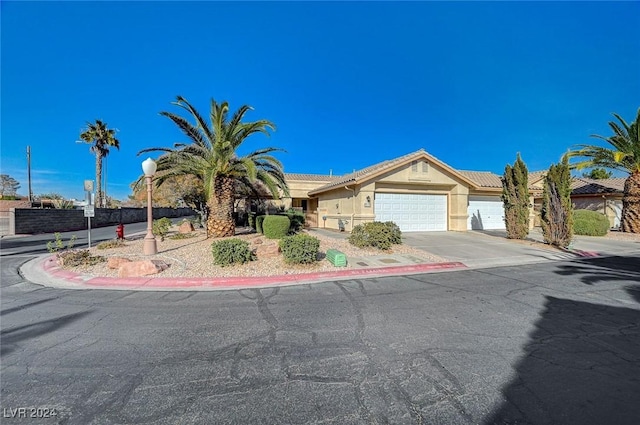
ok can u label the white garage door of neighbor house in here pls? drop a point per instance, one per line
(412, 213)
(485, 213)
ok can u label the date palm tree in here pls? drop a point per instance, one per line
(623, 155)
(212, 157)
(101, 137)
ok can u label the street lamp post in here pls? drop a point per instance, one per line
(149, 168)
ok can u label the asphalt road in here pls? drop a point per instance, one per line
(550, 343)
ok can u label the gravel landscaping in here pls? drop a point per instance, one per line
(191, 257)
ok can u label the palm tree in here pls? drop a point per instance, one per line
(102, 138)
(624, 156)
(212, 157)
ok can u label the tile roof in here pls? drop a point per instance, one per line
(536, 175)
(310, 177)
(483, 178)
(351, 177)
(584, 186)
(362, 174)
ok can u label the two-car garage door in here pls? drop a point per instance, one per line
(412, 212)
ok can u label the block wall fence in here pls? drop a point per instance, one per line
(48, 220)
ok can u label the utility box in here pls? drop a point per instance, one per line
(336, 258)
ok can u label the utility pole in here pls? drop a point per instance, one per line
(30, 195)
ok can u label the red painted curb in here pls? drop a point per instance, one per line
(51, 267)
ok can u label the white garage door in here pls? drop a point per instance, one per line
(485, 213)
(412, 213)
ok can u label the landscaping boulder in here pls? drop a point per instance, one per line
(267, 250)
(116, 262)
(141, 268)
(186, 227)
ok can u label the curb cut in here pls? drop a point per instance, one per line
(50, 267)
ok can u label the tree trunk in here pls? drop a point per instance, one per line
(220, 222)
(630, 221)
(98, 200)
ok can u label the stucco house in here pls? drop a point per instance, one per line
(417, 191)
(602, 195)
(422, 193)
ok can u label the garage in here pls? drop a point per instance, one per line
(485, 213)
(412, 212)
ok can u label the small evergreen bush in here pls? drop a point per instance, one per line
(300, 248)
(259, 222)
(590, 223)
(251, 217)
(276, 226)
(231, 251)
(58, 244)
(376, 234)
(161, 227)
(394, 230)
(297, 220)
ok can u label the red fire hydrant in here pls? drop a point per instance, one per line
(120, 231)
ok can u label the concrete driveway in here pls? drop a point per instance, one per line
(491, 248)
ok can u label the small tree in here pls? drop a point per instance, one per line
(597, 174)
(557, 210)
(515, 196)
(8, 186)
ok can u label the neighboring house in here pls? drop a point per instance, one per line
(602, 195)
(416, 191)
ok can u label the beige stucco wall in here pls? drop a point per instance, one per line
(346, 208)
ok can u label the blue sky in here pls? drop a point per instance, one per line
(348, 84)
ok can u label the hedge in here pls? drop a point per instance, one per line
(590, 223)
(276, 226)
(231, 251)
(300, 249)
(376, 234)
(259, 222)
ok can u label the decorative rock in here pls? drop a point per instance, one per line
(116, 262)
(267, 250)
(257, 241)
(141, 268)
(186, 227)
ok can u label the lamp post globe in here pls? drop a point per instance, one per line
(149, 167)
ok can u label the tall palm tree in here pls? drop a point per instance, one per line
(212, 157)
(101, 137)
(623, 156)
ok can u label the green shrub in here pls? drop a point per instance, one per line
(113, 243)
(376, 234)
(590, 223)
(252, 220)
(231, 251)
(394, 231)
(276, 226)
(300, 248)
(161, 227)
(297, 220)
(58, 244)
(259, 222)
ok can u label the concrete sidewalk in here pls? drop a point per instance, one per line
(462, 250)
